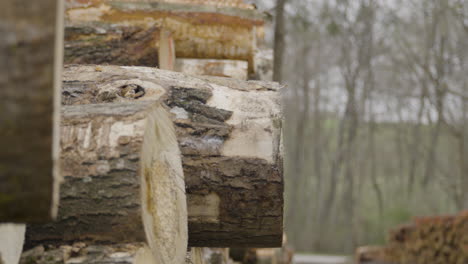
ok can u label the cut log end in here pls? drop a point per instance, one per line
(11, 242)
(163, 195)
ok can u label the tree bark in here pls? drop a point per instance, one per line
(117, 44)
(11, 242)
(123, 180)
(229, 132)
(26, 109)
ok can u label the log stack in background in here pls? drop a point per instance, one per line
(439, 239)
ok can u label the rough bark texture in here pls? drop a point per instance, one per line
(27, 31)
(199, 31)
(11, 242)
(81, 253)
(229, 132)
(102, 43)
(123, 180)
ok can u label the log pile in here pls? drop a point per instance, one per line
(441, 239)
(152, 161)
(117, 119)
(29, 69)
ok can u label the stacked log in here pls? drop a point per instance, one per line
(441, 239)
(200, 31)
(229, 134)
(123, 180)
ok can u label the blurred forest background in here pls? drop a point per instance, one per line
(377, 116)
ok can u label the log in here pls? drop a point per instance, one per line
(229, 132)
(123, 180)
(200, 31)
(81, 253)
(118, 44)
(11, 242)
(27, 150)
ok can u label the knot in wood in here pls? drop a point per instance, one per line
(132, 91)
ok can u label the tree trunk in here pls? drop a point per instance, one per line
(229, 133)
(279, 41)
(11, 242)
(123, 180)
(27, 51)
